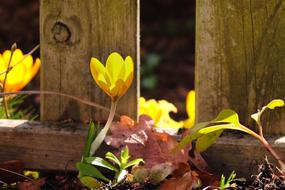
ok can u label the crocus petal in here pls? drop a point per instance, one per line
(190, 109)
(129, 67)
(114, 66)
(97, 70)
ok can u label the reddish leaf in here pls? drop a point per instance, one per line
(185, 182)
(144, 141)
(31, 185)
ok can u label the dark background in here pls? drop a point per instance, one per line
(167, 43)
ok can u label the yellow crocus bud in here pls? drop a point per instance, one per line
(116, 77)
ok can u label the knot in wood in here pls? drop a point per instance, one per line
(61, 32)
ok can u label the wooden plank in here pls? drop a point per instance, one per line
(41, 145)
(242, 154)
(240, 60)
(71, 32)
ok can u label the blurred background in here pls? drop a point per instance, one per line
(167, 44)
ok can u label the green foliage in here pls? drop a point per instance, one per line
(15, 109)
(117, 165)
(89, 175)
(148, 78)
(206, 133)
(225, 184)
(271, 105)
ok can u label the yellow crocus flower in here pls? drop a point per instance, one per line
(20, 75)
(116, 77)
(190, 109)
(159, 112)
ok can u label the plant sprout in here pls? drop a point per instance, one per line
(206, 133)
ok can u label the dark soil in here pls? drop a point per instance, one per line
(266, 179)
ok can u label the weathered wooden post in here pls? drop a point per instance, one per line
(72, 32)
(240, 64)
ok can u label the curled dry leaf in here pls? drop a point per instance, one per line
(187, 181)
(144, 141)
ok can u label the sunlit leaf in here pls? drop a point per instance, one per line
(275, 103)
(122, 175)
(134, 162)
(113, 158)
(101, 162)
(89, 170)
(205, 141)
(124, 156)
(207, 132)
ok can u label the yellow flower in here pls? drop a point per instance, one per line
(116, 78)
(159, 112)
(20, 75)
(190, 109)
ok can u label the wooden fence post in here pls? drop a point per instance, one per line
(240, 64)
(70, 33)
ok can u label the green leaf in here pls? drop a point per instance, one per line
(90, 182)
(271, 105)
(101, 162)
(207, 132)
(89, 170)
(275, 103)
(193, 134)
(134, 162)
(124, 156)
(113, 158)
(205, 141)
(89, 139)
(122, 175)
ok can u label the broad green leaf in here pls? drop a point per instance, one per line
(218, 127)
(228, 115)
(113, 158)
(89, 170)
(90, 182)
(205, 141)
(275, 103)
(124, 156)
(193, 134)
(207, 132)
(89, 139)
(122, 175)
(101, 162)
(133, 163)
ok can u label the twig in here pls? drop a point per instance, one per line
(26, 55)
(13, 48)
(18, 174)
(86, 102)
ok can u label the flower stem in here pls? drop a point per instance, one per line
(102, 134)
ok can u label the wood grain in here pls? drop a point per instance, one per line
(71, 33)
(240, 60)
(41, 145)
(243, 155)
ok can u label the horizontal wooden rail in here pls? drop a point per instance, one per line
(48, 146)
(242, 154)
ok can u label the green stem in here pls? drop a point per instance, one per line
(102, 134)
